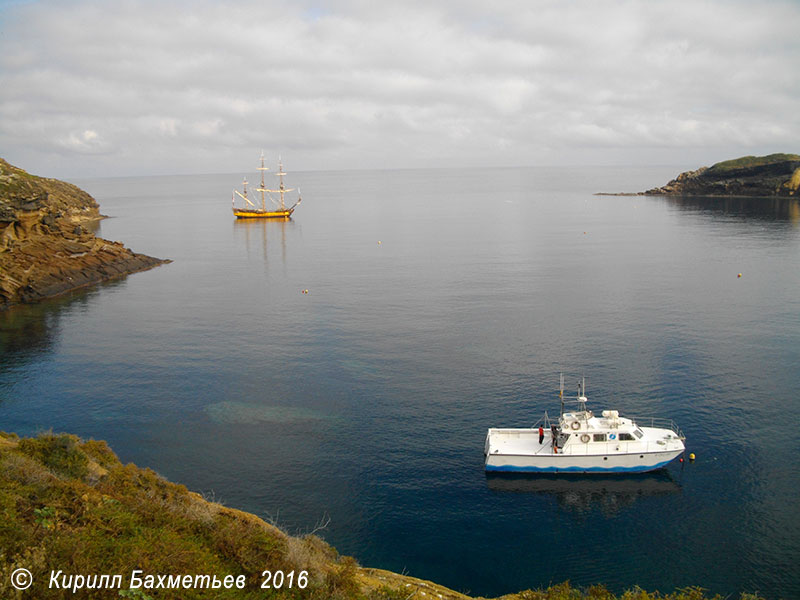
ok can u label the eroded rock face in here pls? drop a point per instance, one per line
(45, 246)
(773, 175)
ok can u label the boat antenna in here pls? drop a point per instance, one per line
(561, 392)
(582, 393)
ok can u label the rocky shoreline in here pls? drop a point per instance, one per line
(46, 244)
(775, 175)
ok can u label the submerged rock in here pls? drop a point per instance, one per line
(45, 248)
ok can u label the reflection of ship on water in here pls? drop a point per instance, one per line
(584, 493)
(258, 231)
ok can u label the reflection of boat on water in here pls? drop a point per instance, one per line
(580, 442)
(585, 492)
(251, 211)
(267, 236)
(649, 484)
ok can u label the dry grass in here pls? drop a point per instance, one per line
(70, 504)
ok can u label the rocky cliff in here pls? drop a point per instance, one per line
(46, 248)
(773, 175)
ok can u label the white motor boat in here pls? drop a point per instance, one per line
(580, 442)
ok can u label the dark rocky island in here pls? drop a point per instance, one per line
(46, 248)
(752, 176)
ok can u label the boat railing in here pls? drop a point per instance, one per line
(659, 422)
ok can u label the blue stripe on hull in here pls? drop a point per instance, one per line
(514, 469)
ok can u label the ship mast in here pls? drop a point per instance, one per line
(263, 188)
(243, 196)
(281, 189)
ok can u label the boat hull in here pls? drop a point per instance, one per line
(519, 451)
(259, 214)
(563, 463)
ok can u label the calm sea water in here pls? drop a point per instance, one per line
(441, 303)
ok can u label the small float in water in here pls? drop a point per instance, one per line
(580, 442)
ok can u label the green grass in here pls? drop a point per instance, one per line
(60, 453)
(750, 161)
(68, 504)
(71, 505)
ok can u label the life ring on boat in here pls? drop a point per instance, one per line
(575, 425)
(585, 438)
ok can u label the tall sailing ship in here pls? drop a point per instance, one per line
(252, 211)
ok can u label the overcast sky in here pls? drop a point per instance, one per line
(93, 87)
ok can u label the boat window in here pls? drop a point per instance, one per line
(638, 433)
(599, 437)
(625, 437)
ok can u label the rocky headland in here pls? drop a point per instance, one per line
(46, 245)
(775, 175)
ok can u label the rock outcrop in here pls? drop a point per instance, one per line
(45, 246)
(773, 175)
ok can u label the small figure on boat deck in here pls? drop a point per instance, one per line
(541, 434)
(553, 434)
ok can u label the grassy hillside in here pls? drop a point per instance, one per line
(69, 505)
(21, 190)
(751, 161)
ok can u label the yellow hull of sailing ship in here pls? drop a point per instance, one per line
(241, 213)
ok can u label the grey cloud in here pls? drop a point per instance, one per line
(176, 86)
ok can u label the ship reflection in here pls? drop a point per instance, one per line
(257, 233)
(588, 493)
